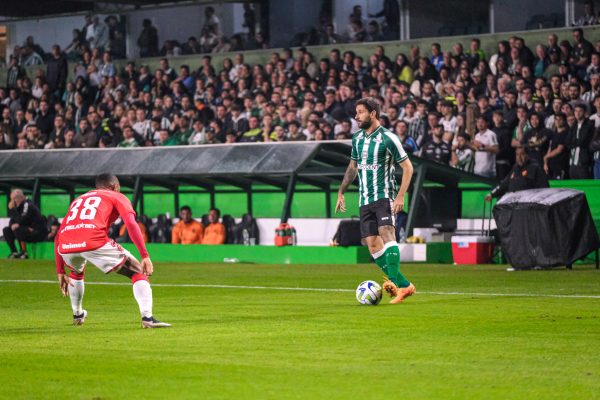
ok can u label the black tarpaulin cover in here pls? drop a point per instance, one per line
(545, 227)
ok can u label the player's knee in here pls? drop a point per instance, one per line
(138, 277)
(387, 233)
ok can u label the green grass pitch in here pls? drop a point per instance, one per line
(473, 332)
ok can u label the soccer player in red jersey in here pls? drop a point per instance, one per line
(83, 236)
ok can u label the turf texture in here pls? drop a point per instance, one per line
(472, 332)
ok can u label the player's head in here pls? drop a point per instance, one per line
(185, 213)
(367, 112)
(108, 181)
(213, 215)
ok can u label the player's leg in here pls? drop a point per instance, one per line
(370, 234)
(76, 263)
(76, 291)
(142, 292)
(398, 286)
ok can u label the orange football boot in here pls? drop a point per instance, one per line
(402, 293)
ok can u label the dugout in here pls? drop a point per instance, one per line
(288, 167)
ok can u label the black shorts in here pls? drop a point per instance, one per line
(374, 215)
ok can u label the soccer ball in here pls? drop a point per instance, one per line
(368, 293)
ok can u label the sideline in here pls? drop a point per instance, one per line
(198, 285)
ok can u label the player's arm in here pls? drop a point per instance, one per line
(349, 177)
(127, 214)
(63, 279)
(135, 234)
(407, 172)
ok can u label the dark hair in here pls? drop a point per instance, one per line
(370, 104)
(185, 208)
(105, 180)
(217, 211)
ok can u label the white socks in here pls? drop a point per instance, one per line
(76, 295)
(143, 295)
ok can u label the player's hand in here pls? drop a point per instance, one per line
(64, 282)
(14, 227)
(398, 205)
(147, 267)
(488, 197)
(341, 203)
(546, 168)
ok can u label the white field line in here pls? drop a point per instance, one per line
(299, 289)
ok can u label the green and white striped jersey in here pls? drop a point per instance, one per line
(376, 155)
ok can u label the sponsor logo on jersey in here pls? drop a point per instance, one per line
(68, 246)
(368, 167)
(78, 226)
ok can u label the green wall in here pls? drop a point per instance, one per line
(265, 205)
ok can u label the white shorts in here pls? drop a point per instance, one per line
(107, 258)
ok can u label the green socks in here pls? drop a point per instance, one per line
(388, 259)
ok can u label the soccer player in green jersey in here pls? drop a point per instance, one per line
(375, 152)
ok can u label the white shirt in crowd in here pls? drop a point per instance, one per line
(485, 162)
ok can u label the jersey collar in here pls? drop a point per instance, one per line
(372, 134)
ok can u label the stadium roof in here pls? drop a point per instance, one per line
(320, 165)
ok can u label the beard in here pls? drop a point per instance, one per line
(365, 124)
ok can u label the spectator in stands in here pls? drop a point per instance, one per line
(85, 137)
(4, 145)
(556, 160)
(100, 37)
(107, 68)
(148, 40)
(535, 141)
(254, 132)
(56, 72)
(26, 225)
(581, 52)
(595, 149)
(408, 143)
(128, 138)
(14, 73)
(30, 58)
(462, 156)
(485, 145)
(588, 17)
(436, 149)
(391, 13)
(187, 230)
(581, 133)
(214, 233)
(211, 21)
(294, 133)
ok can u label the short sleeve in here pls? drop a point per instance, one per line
(493, 139)
(354, 153)
(395, 147)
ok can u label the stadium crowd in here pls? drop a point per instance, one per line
(456, 106)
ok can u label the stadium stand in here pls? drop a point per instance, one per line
(98, 101)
